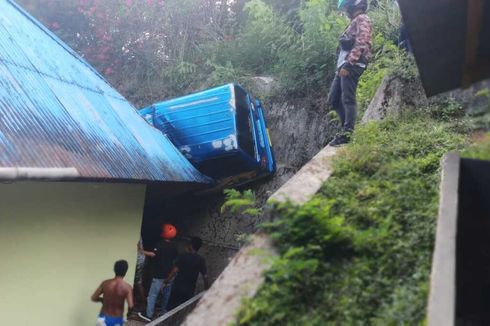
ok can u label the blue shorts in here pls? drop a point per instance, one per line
(109, 321)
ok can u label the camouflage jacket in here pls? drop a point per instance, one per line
(359, 30)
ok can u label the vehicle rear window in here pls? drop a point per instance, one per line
(244, 128)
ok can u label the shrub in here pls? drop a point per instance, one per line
(480, 149)
(479, 115)
(240, 203)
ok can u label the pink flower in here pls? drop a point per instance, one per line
(109, 71)
(129, 3)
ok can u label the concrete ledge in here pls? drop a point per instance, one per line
(241, 279)
(308, 180)
(442, 298)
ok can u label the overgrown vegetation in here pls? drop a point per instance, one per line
(479, 120)
(480, 149)
(479, 115)
(151, 50)
(240, 203)
(360, 251)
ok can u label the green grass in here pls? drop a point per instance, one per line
(359, 253)
(480, 149)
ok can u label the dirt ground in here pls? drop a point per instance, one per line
(134, 323)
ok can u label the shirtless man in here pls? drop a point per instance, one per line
(112, 294)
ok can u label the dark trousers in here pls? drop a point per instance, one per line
(342, 97)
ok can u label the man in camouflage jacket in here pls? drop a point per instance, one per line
(354, 52)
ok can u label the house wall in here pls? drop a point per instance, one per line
(58, 241)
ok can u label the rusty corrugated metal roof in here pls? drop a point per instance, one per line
(56, 111)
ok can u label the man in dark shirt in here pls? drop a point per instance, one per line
(187, 268)
(165, 255)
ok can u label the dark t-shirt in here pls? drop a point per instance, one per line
(166, 252)
(189, 265)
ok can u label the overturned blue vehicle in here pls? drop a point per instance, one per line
(222, 131)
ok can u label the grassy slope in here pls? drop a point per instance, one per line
(480, 149)
(359, 253)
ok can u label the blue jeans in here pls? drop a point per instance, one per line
(156, 286)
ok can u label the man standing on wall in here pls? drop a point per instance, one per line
(165, 255)
(112, 293)
(353, 53)
(187, 267)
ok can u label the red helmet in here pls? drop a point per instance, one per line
(168, 231)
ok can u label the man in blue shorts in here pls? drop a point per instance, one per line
(112, 293)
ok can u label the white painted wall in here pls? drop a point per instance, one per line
(58, 241)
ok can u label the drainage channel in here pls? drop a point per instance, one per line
(298, 134)
(244, 275)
